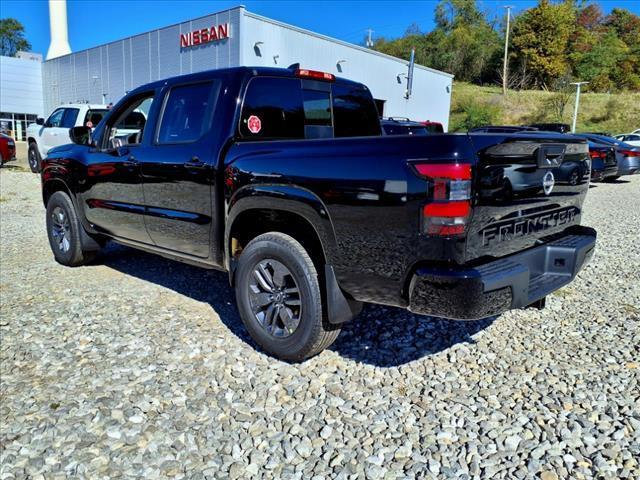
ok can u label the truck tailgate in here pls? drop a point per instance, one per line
(528, 187)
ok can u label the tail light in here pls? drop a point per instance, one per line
(449, 208)
(597, 154)
(314, 74)
(629, 153)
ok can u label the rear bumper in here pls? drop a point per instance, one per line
(629, 166)
(511, 282)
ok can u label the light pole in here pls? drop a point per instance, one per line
(506, 49)
(575, 109)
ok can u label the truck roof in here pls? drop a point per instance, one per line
(253, 71)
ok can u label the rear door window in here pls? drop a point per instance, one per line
(272, 109)
(187, 113)
(69, 117)
(94, 117)
(354, 111)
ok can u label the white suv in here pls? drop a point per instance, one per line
(44, 135)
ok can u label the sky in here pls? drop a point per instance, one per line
(93, 22)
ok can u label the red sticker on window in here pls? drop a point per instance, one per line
(254, 124)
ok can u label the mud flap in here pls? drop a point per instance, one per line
(339, 308)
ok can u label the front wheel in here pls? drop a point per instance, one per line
(34, 158)
(279, 298)
(63, 230)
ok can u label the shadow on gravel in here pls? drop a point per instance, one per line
(381, 336)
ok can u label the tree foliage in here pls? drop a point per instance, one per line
(12, 37)
(550, 43)
(463, 42)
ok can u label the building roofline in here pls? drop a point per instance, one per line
(239, 7)
(274, 22)
(341, 42)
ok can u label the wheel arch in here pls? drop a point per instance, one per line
(256, 209)
(53, 185)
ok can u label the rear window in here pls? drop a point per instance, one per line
(280, 108)
(272, 109)
(354, 112)
(94, 117)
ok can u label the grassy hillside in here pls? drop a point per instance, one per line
(473, 105)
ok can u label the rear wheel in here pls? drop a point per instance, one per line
(279, 298)
(63, 230)
(34, 158)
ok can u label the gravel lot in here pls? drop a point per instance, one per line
(139, 367)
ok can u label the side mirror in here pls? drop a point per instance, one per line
(40, 121)
(80, 135)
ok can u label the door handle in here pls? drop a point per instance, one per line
(130, 162)
(195, 163)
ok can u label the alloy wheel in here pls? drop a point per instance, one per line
(61, 229)
(275, 298)
(33, 161)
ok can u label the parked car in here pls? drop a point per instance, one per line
(44, 135)
(7, 149)
(402, 126)
(502, 129)
(311, 210)
(552, 127)
(627, 156)
(433, 127)
(603, 162)
(630, 138)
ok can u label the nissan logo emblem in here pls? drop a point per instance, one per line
(548, 181)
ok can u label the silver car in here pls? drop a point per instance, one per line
(627, 156)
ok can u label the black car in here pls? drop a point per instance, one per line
(402, 126)
(282, 179)
(502, 129)
(552, 127)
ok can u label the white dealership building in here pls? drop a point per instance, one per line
(236, 37)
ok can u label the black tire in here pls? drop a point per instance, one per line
(35, 161)
(67, 248)
(313, 333)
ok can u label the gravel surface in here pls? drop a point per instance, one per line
(139, 367)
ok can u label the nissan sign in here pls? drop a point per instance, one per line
(204, 35)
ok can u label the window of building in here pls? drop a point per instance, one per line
(354, 111)
(272, 109)
(187, 113)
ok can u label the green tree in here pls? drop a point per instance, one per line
(12, 37)
(541, 38)
(463, 42)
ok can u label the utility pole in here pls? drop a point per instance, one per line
(506, 50)
(369, 39)
(575, 109)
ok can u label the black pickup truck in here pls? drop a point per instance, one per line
(282, 178)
